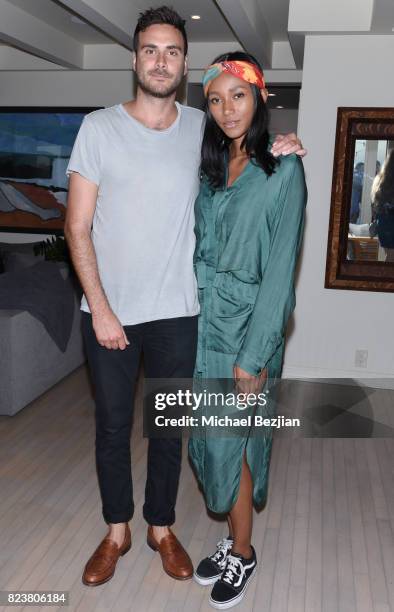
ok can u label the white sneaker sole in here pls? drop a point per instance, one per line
(229, 604)
(205, 581)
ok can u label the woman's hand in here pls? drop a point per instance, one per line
(247, 383)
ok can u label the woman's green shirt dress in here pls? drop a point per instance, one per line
(247, 241)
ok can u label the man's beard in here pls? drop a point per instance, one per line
(159, 93)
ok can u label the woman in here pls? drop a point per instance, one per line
(383, 206)
(249, 222)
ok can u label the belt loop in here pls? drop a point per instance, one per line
(201, 274)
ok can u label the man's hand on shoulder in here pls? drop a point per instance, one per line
(285, 145)
(109, 331)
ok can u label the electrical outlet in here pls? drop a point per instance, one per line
(361, 358)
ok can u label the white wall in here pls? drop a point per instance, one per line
(65, 87)
(331, 324)
(330, 16)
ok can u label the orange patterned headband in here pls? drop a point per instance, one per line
(243, 70)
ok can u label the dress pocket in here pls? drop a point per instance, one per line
(232, 303)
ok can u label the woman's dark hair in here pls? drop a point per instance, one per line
(215, 144)
(383, 185)
(162, 15)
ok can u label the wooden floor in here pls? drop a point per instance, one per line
(324, 540)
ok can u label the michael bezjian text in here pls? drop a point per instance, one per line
(195, 400)
(227, 421)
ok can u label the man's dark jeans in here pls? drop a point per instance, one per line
(169, 349)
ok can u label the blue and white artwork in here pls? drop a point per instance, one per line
(35, 146)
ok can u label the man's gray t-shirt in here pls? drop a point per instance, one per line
(143, 223)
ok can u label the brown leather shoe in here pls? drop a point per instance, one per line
(101, 566)
(176, 561)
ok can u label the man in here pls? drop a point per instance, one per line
(134, 177)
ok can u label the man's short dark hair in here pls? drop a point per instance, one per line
(162, 15)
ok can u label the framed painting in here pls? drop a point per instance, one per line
(35, 146)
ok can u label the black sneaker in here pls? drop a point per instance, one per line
(230, 589)
(210, 569)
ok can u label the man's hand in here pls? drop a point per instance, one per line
(284, 145)
(247, 383)
(109, 331)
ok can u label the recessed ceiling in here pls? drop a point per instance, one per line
(276, 16)
(59, 18)
(212, 27)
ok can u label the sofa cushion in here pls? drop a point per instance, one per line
(45, 292)
(17, 256)
(14, 261)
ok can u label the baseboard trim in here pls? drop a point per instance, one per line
(364, 378)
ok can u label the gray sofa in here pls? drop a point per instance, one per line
(30, 361)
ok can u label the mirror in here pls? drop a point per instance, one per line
(371, 214)
(360, 253)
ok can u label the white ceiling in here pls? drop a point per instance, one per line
(56, 16)
(275, 14)
(48, 29)
(211, 28)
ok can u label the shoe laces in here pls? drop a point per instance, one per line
(220, 556)
(234, 569)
